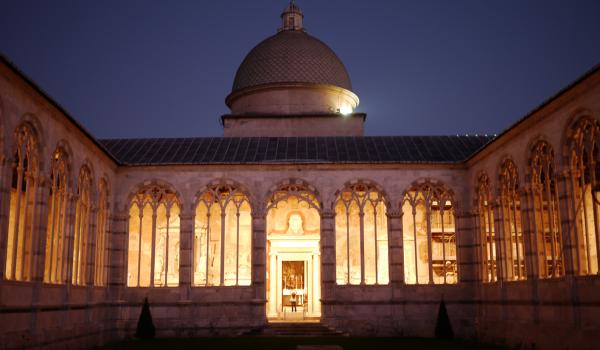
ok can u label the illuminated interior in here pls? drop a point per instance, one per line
(81, 229)
(545, 201)
(510, 205)
(585, 181)
(57, 244)
(429, 235)
(100, 270)
(22, 206)
(153, 258)
(293, 234)
(487, 230)
(361, 236)
(222, 238)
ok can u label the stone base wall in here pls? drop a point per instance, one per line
(76, 318)
(541, 314)
(408, 311)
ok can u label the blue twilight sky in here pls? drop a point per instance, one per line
(163, 68)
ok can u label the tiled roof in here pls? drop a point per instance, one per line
(291, 56)
(295, 150)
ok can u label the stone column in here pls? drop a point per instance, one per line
(186, 258)
(396, 250)
(272, 287)
(117, 258)
(259, 271)
(531, 248)
(90, 271)
(40, 223)
(327, 262)
(466, 247)
(69, 243)
(531, 241)
(571, 256)
(117, 245)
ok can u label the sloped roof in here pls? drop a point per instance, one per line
(295, 150)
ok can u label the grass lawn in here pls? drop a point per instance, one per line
(256, 343)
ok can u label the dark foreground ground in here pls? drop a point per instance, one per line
(256, 343)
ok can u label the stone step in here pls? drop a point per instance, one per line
(298, 330)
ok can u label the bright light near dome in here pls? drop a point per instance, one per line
(346, 110)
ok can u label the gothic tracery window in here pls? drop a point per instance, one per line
(486, 228)
(361, 236)
(81, 239)
(57, 240)
(22, 205)
(102, 220)
(429, 235)
(510, 212)
(584, 160)
(222, 238)
(546, 211)
(153, 258)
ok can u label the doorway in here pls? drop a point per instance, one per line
(293, 261)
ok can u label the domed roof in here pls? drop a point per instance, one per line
(291, 56)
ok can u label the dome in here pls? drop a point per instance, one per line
(291, 56)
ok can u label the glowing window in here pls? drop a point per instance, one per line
(486, 228)
(429, 235)
(100, 260)
(585, 181)
(361, 236)
(22, 205)
(153, 254)
(222, 238)
(510, 212)
(81, 228)
(546, 216)
(57, 243)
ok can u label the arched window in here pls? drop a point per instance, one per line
(429, 235)
(585, 176)
(486, 228)
(510, 212)
(100, 271)
(361, 236)
(546, 211)
(57, 243)
(153, 258)
(82, 223)
(22, 205)
(222, 238)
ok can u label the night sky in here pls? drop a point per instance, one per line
(163, 69)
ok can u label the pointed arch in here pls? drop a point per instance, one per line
(57, 239)
(154, 224)
(222, 246)
(487, 231)
(582, 152)
(361, 234)
(509, 195)
(430, 252)
(81, 239)
(546, 218)
(22, 206)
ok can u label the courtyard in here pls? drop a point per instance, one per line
(293, 343)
